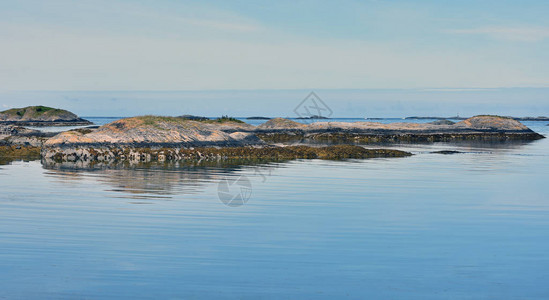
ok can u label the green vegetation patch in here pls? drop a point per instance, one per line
(154, 120)
(223, 119)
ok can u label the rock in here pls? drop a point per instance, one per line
(154, 131)
(16, 135)
(280, 123)
(133, 155)
(446, 152)
(498, 123)
(489, 128)
(10, 130)
(40, 116)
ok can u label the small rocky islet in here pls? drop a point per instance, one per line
(41, 116)
(157, 138)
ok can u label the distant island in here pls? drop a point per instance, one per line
(434, 118)
(540, 118)
(41, 116)
(312, 117)
(194, 118)
(258, 118)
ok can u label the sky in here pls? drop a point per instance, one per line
(421, 53)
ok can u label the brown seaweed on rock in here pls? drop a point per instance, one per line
(115, 154)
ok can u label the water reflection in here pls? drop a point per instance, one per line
(430, 224)
(153, 180)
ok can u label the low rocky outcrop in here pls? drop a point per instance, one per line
(492, 128)
(21, 136)
(154, 131)
(280, 124)
(41, 116)
(487, 122)
(19, 143)
(11, 130)
(446, 152)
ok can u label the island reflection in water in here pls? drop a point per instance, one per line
(156, 180)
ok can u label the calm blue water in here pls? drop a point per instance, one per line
(473, 225)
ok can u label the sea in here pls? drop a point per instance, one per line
(470, 225)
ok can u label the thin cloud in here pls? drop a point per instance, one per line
(221, 25)
(208, 23)
(524, 34)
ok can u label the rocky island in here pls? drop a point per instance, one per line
(151, 138)
(156, 138)
(479, 128)
(41, 116)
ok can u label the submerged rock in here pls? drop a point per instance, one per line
(446, 152)
(40, 116)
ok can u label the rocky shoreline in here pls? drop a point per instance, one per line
(271, 153)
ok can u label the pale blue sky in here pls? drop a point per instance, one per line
(117, 45)
(195, 45)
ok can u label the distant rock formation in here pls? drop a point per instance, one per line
(492, 128)
(258, 118)
(194, 118)
(312, 117)
(41, 116)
